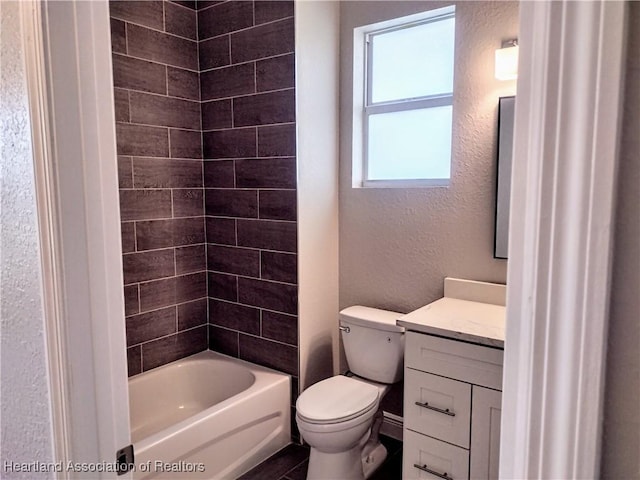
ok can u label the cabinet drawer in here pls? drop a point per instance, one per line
(429, 453)
(450, 358)
(445, 407)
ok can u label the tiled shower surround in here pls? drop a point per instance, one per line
(205, 126)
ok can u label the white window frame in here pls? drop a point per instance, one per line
(364, 107)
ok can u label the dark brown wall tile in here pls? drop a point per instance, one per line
(139, 75)
(186, 3)
(164, 111)
(161, 47)
(121, 98)
(158, 293)
(219, 174)
(148, 13)
(128, 235)
(277, 141)
(202, 4)
(228, 81)
(166, 173)
(214, 52)
(192, 314)
(232, 315)
(140, 140)
(224, 18)
(223, 341)
(131, 304)
(222, 286)
(282, 267)
(231, 203)
(169, 233)
(140, 267)
(234, 260)
(168, 349)
(271, 354)
(280, 327)
(118, 37)
(145, 204)
(185, 144)
(216, 114)
(187, 203)
(270, 295)
(265, 108)
(265, 41)
(277, 204)
(134, 360)
(266, 173)
(268, 234)
(125, 172)
(147, 326)
(275, 73)
(180, 21)
(268, 11)
(190, 259)
(183, 83)
(191, 287)
(236, 143)
(221, 230)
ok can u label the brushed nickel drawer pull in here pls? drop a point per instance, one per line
(424, 468)
(446, 411)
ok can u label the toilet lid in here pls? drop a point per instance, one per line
(337, 398)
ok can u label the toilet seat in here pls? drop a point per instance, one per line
(337, 399)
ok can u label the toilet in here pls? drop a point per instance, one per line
(339, 417)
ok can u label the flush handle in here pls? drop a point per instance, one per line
(424, 468)
(345, 329)
(446, 411)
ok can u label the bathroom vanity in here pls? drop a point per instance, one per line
(453, 383)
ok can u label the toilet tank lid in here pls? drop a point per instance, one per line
(372, 318)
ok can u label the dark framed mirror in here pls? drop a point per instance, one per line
(506, 111)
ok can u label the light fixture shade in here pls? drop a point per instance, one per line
(507, 63)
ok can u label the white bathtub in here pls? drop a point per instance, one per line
(207, 410)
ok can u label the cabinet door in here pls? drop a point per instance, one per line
(427, 458)
(485, 433)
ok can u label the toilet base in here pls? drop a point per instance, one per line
(355, 464)
(372, 458)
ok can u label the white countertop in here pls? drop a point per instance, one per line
(460, 319)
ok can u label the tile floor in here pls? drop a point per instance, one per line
(291, 462)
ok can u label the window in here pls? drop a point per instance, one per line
(403, 94)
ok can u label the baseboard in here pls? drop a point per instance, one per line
(392, 426)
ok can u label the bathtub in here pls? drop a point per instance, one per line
(207, 412)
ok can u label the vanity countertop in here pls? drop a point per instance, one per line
(466, 317)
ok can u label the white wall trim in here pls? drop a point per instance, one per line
(71, 92)
(565, 158)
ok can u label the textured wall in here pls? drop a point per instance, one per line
(397, 245)
(158, 132)
(249, 143)
(24, 390)
(621, 434)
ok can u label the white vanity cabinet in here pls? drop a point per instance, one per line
(452, 395)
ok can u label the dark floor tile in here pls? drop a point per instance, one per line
(275, 73)
(141, 140)
(145, 204)
(166, 173)
(298, 473)
(277, 141)
(192, 314)
(233, 260)
(277, 204)
(223, 340)
(264, 41)
(265, 108)
(266, 173)
(118, 36)
(268, 11)
(136, 74)
(224, 18)
(280, 327)
(228, 81)
(185, 143)
(180, 21)
(148, 326)
(281, 267)
(148, 13)
(183, 83)
(134, 360)
(270, 295)
(268, 234)
(232, 143)
(168, 349)
(391, 469)
(270, 354)
(162, 47)
(279, 464)
(188, 203)
(163, 111)
(145, 266)
(190, 259)
(214, 52)
(231, 203)
(221, 230)
(234, 316)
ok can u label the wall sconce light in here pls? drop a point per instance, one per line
(507, 60)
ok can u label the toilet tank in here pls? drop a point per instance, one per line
(373, 343)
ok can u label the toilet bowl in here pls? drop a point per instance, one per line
(339, 417)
